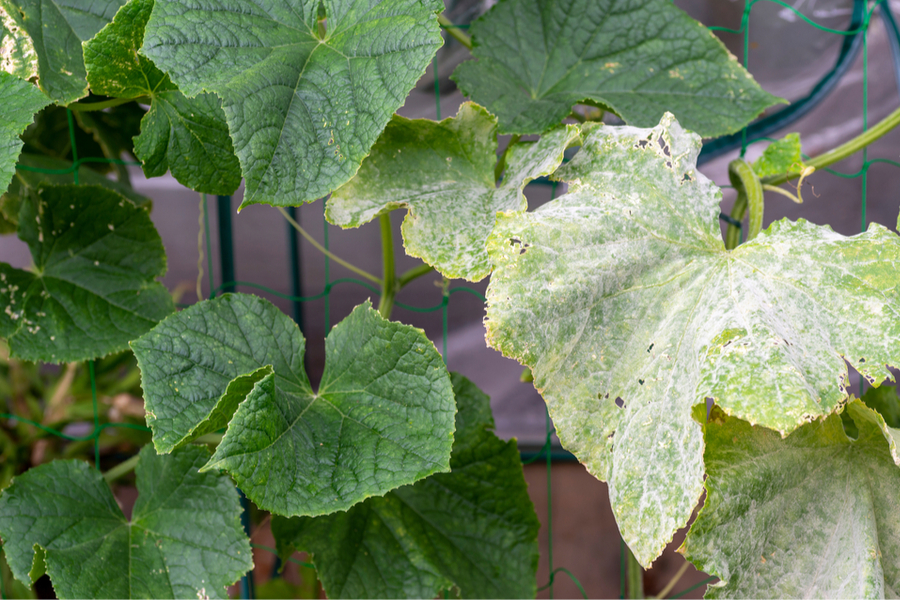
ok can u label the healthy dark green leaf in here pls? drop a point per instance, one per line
(92, 289)
(36, 169)
(444, 173)
(473, 528)
(303, 107)
(383, 415)
(19, 101)
(640, 58)
(48, 34)
(622, 299)
(814, 515)
(781, 156)
(187, 135)
(184, 538)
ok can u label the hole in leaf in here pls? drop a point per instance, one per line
(664, 146)
(642, 144)
(650, 348)
(641, 381)
(620, 403)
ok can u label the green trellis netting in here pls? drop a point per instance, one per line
(855, 41)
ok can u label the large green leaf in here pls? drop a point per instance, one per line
(444, 173)
(34, 170)
(383, 415)
(473, 528)
(537, 58)
(622, 299)
(184, 538)
(187, 135)
(19, 101)
(303, 108)
(92, 289)
(814, 515)
(54, 30)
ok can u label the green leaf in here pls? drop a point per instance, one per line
(813, 515)
(303, 109)
(781, 156)
(188, 135)
(383, 415)
(184, 538)
(473, 528)
(622, 299)
(538, 58)
(885, 402)
(31, 174)
(19, 101)
(54, 30)
(444, 173)
(92, 289)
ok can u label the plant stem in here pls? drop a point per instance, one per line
(389, 285)
(501, 164)
(750, 193)
(634, 577)
(844, 150)
(455, 31)
(672, 582)
(121, 469)
(90, 106)
(325, 251)
(413, 273)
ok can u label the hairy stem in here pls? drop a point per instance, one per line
(844, 150)
(674, 581)
(89, 106)
(389, 285)
(634, 576)
(414, 273)
(325, 251)
(750, 195)
(123, 468)
(455, 32)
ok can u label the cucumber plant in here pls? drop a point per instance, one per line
(673, 363)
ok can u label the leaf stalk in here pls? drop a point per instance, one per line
(324, 250)
(123, 468)
(455, 31)
(844, 150)
(92, 106)
(390, 284)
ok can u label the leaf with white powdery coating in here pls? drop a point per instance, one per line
(538, 58)
(303, 111)
(54, 31)
(813, 515)
(444, 173)
(473, 528)
(622, 299)
(382, 418)
(19, 101)
(184, 538)
(187, 135)
(93, 289)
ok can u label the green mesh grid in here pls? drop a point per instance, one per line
(230, 281)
